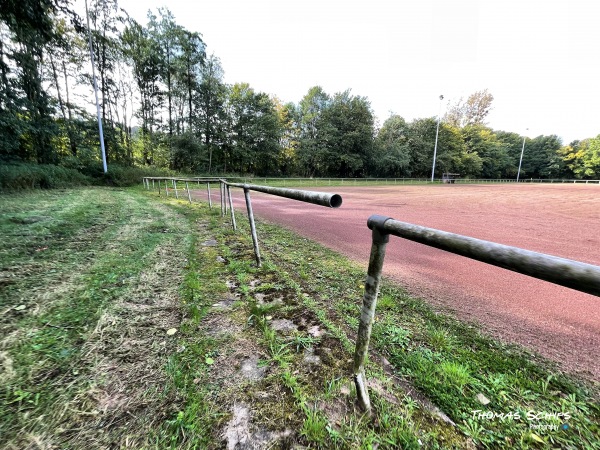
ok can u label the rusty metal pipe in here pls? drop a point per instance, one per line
(379, 243)
(174, 181)
(252, 226)
(222, 195)
(233, 224)
(565, 272)
(187, 187)
(317, 198)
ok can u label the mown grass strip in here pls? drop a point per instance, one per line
(449, 361)
(104, 254)
(95, 244)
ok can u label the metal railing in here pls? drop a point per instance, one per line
(565, 272)
(317, 198)
(187, 181)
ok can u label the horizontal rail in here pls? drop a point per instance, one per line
(565, 272)
(317, 198)
(190, 180)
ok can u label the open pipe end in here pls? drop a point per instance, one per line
(336, 201)
(377, 221)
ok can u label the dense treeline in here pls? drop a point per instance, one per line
(164, 103)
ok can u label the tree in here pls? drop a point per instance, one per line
(190, 72)
(144, 55)
(513, 142)
(421, 141)
(312, 149)
(541, 158)
(592, 159)
(30, 27)
(392, 149)
(472, 112)
(209, 103)
(105, 18)
(348, 135)
(495, 160)
(289, 138)
(255, 132)
(582, 158)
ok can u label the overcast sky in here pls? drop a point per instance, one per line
(540, 59)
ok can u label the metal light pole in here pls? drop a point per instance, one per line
(100, 131)
(521, 160)
(437, 132)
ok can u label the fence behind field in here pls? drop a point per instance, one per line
(321, 182)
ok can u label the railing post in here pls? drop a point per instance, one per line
(225, 197)
(221, 198)
(167, 188)
(187, 187)
(209, 198)
(152, 183)
(159, 188)
(174, 181)
(252, 226)
(378, 246)
(233, 224)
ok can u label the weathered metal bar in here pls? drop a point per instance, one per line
(317, 198)
(167, 188)
(175, 187)
(159, 188)
(221, 199)
(225, 196)
(565, 272)
(187, 187)
(380, 240)
(233, 224)
(209, 198)
(252, 226)
(152, 183)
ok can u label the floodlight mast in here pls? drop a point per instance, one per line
(100, 131)
(437, 132)
(521, 159)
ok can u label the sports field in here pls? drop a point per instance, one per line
(562, 220)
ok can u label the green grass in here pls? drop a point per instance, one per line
(80, 263)
(448, 361)
(110, 321)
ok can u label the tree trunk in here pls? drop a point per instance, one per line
(69, 112)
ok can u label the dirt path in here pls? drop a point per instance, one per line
(563, 220)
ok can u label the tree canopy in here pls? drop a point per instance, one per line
(164, 102)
